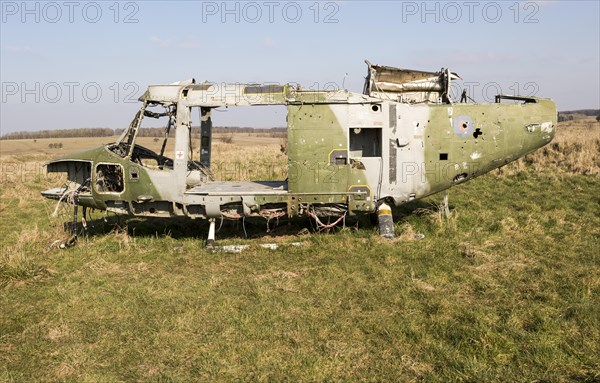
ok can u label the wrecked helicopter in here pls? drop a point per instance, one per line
(349, 154)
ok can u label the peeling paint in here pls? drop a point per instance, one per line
(547, 127)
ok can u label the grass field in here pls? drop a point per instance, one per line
(506, 289)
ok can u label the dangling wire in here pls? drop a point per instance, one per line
(220, 224)
(244, 226)
(322, 226)
(83, 220)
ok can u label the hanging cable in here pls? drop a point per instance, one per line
(322, 226)
(244, 227)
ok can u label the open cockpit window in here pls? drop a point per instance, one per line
(153, 119)
(109, 178)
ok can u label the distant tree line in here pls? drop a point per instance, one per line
(144, 132)
(585, 112)
(59, 133)
(565, 117)
(571, 114)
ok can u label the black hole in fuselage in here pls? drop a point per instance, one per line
(460, 177)
(375, 108)
(443, 156)
(477, 133)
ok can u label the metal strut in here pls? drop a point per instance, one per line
(210, 242)
(73, 240)
(75, 209)
(445, 207)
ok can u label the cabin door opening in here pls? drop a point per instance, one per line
(366, 151)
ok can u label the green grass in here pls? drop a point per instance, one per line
(506, 289)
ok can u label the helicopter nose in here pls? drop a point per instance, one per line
(538, 134)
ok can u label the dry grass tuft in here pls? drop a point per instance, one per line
(438, 216)
(20, 261)
(407, 233)
(102, 267)
(59, 332)
(469, 251)
(227, 138)
(16, 266)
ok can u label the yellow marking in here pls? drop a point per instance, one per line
(335, 150)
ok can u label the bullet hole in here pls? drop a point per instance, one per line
(465, 125)
(460, 177)
(477, 133)
(443, 156)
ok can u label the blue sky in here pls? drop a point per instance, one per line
(83, 64)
